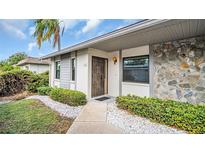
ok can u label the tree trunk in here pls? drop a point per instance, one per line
(59, 43)
(59, 39)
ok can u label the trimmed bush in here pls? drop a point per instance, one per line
(44, 90)
(38, 80)
(70, 97)
(14, 81)
(185, 116)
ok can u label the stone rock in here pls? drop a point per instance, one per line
(203, 69)
(188, 94)
(179, 50)
(193, 78)
(173, 82)
(191, 54)
(176, 44)
(157, 53)
(198, 53)
(198, 62)
(192, 41)
(180, 69)
(200, 88)
(185, 85)
(184, 65)
(179, 93)
(201, 45)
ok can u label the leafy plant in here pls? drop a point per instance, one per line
(45, 29)
(70, 97)
(44, 90)
(15, 58)
(182, 115)
(37, 80)
(14, 81)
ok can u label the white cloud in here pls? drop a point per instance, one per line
(69, 23)
(31, 30)
(31, 45)
(91, 24)
(14, 27)
(41, 54)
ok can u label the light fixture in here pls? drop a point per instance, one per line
(114, 59)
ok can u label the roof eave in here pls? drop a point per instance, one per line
(116, 33)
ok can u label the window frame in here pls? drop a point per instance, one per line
(73, 68)
(140, 82)
(57, 70)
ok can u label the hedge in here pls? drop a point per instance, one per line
(14, 81)
(181, 115)
(44, 90)
(70, 97)
(37, 80)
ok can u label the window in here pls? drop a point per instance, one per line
(58, 70)
(73, 69)
(136, 69)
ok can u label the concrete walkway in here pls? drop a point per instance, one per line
(93, 120)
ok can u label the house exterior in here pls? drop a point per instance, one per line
(157, 58)
(35, 65)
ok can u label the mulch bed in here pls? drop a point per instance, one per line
(18, 96)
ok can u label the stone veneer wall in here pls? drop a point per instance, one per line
(179, 70)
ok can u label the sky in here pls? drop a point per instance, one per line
(16, 35)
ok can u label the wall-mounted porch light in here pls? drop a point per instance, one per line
(114, 59)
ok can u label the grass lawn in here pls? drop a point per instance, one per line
(31, 117)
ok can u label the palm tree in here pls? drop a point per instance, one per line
(45, 29)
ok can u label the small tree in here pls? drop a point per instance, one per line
(45, 29)
(15, 58)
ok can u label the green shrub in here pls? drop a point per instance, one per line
(14, 81)
(38, 80)
(185, 116)
(70, 97)
(44, 90)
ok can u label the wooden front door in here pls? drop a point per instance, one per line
(98, 76)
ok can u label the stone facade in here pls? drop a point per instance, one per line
(179, 70)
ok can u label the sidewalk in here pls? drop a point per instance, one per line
(92, 120)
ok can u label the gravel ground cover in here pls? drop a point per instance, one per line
(134, 124)
(63, 109)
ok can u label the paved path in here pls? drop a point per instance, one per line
(93, 120)
(105, 118)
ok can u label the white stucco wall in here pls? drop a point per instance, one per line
(113, 74)
(25, 67)
(37, 68)
(82, 72)
(138, 89)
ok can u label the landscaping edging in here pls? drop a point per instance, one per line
(132, 124)
(63, 109)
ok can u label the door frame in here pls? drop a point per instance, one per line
(106, 76)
